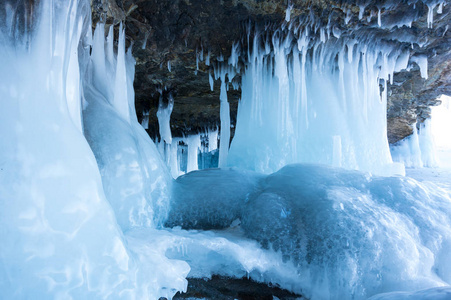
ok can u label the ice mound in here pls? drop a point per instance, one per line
(211, 199)
(348, 234)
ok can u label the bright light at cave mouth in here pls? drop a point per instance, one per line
(303, 200)
(441, 130)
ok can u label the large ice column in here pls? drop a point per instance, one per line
(212, 136)
(60, 239)
(135, 179)
(193, 142)
(164, 118)
(225, 123)
(310, 100)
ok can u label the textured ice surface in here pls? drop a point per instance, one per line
(135, 179)
(60, 237)
(211, 199)
(441, 293)
(354, 234)
(225, 253)
(348, 234)
(306, 100)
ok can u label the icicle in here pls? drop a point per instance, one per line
(164, 118)
(402, 61)
(120, 86)
(288, 13)
(169, 65)
(348, 16)
(379, 22)
(336, 32)
(322, 35)
(225, 125)
(174, 161)
(440, 8)
(430, 15)
(212, 140)
(193, 142)
(233, 59)
(197, 61)
(422, 62)
(145, 120)
(210, 80)
(207, 61)
(146, 37)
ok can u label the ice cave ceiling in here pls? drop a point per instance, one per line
(172, 40)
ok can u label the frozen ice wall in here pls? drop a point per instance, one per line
(60, 238)
(135, 179)
(315, 99)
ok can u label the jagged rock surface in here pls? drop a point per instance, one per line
(224, 288)
(176, 32)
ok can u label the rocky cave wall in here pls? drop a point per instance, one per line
(180, 33)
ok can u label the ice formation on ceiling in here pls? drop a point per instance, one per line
(312, 94)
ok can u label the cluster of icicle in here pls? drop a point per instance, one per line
(181, 154)
(430, 143)
(307, 98)
(189, 153)
(312, 93)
